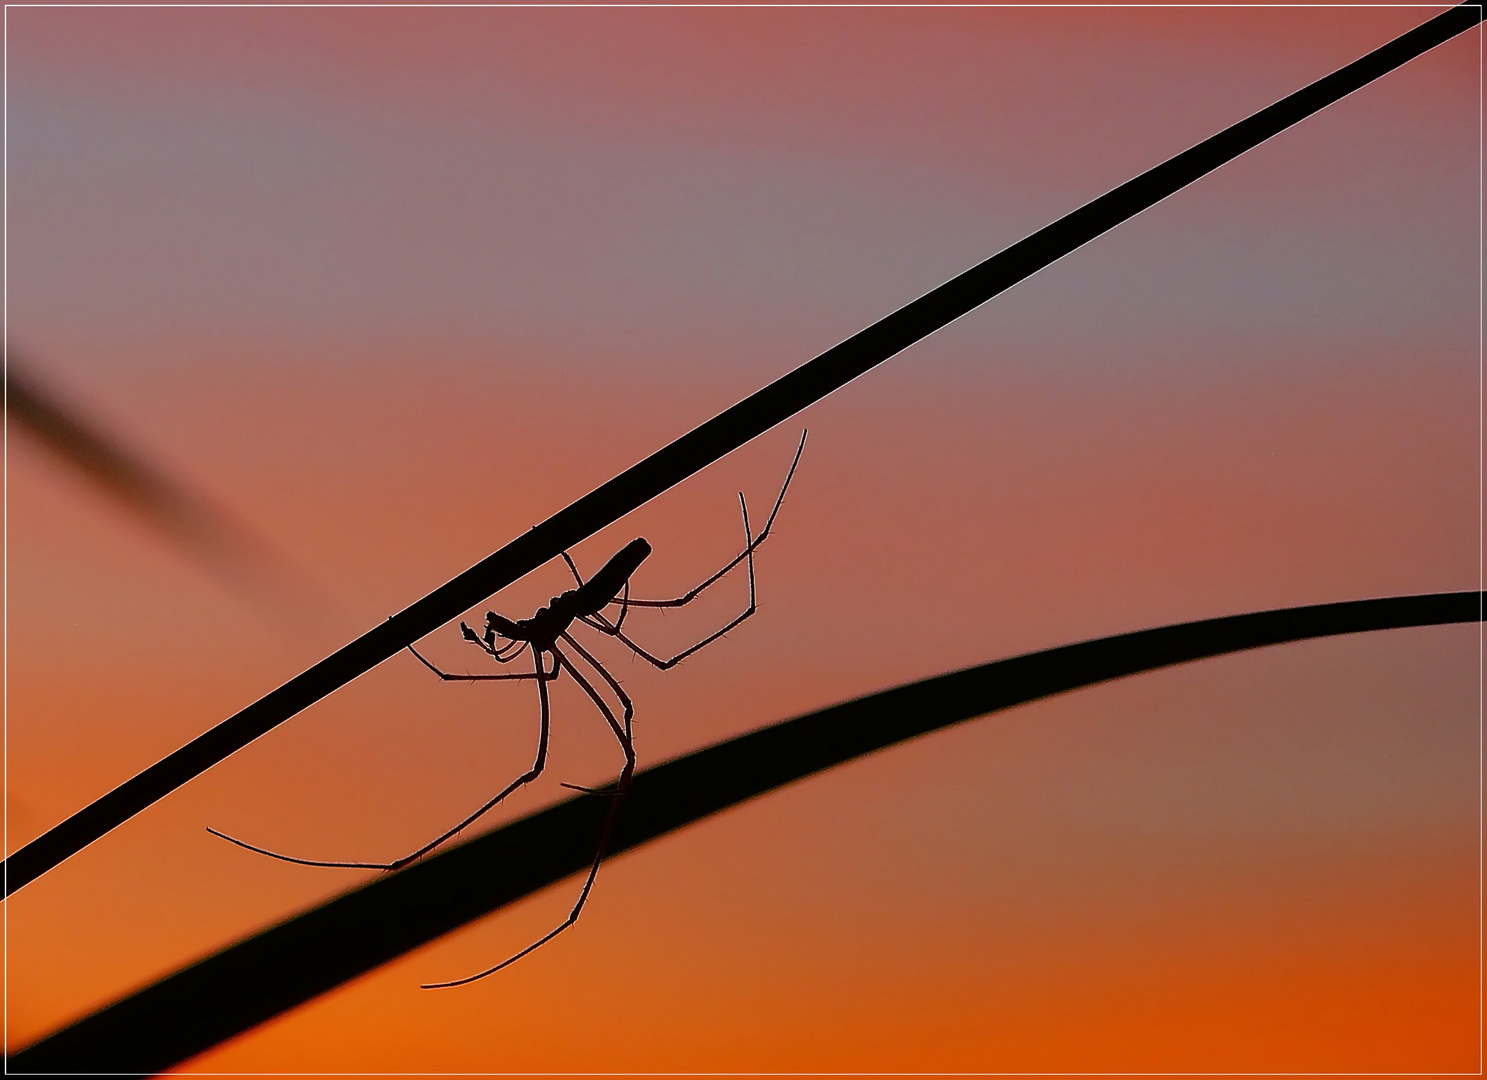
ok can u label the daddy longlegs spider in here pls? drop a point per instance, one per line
(609, 587)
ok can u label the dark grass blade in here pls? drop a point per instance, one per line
(208, 535)
(275, 970)
(712, 440)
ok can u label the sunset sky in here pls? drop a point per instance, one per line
(392, 285)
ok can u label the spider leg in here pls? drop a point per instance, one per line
(545, 676)
(599, 621)
(619, 691)
(603, 623)
(526, 778)
(569, 560)
(503, 654)
(622, 786)
(620, 733)
(613, 630)
(624, 606)
(747, 552)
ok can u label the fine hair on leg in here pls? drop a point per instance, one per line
(619, 691)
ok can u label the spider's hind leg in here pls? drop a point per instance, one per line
(613, 630)
(621, 788)
(750, 544)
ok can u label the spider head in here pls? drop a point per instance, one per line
(500, 625)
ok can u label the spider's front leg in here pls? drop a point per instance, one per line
(449, 676)
(543, 678)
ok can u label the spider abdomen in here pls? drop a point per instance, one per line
(590, 597)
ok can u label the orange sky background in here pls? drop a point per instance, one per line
(394, 285)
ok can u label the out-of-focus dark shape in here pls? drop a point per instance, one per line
(208, 535)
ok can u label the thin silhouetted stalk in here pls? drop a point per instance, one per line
(277, 969)
(722, 434)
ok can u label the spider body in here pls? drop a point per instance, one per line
(546, 635)
(590, 598)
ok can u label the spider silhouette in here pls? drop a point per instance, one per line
(608, 587)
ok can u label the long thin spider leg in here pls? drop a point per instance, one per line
(747, 552)
(621, 788)
(603, 706)
(624, 605)
(614, 631)
(292, 859)
(526, 778)
(619, 691)
(569, 560)
(502, 655)
(600, 622)
(448, 676)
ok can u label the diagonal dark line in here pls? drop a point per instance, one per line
(273, 971)
(224, 546)
(705, 444)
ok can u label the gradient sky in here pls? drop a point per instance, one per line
(394, 285)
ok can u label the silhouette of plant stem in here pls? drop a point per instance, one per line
(721, 435)
(277, 969)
